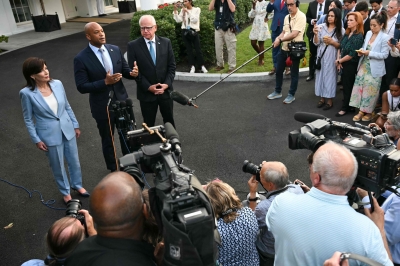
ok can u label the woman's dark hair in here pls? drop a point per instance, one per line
(151, 233)
(339, 5)
(32, 66)
(381, 18)
(395, 81)
(191, 2)
(337, 22)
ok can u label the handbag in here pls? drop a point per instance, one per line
(297, 50)
(318, 62)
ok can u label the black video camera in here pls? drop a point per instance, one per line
(182, 209)
(377, 157)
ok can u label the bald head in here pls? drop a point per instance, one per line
(336, 166)
(116, 202)
(276, 173)
(95, 34)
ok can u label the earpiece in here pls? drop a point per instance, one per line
(297, 3)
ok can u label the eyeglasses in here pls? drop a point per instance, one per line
(146, 28)
(290, 4)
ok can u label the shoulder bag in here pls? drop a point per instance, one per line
(297, 50)
(318, 62)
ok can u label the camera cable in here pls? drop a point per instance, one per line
(47, 203)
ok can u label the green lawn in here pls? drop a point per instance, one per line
(244, 51)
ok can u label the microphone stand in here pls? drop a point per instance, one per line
(191, 100)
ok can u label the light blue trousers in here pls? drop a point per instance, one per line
(56, 154)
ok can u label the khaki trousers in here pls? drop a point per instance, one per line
(229, 38)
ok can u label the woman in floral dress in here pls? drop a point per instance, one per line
(371, 68)
(260, 31)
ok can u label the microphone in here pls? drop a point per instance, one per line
(110, 96)
(305, 117)
(173, 137)
(129, 109)
(181, 98)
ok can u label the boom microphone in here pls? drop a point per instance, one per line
(305, 117)
(181, 98)
(172, 135)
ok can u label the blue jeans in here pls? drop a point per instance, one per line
(55, 154)
(294, 72)
(276, 50)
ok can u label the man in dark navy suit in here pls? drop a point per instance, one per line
(280, 11)
(98, 70)
(315, 10)
(155, 58)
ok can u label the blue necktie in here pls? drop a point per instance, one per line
(152, 54)
(106, 62)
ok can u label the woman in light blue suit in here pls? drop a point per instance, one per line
(55, 128)
(371, 68)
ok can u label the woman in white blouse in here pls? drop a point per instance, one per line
(259, 31)
(52, 124)
(190, 18)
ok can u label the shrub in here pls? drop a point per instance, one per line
(167, 27)
(3, 38)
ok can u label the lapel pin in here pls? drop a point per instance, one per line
(111, 50)
(158, 43)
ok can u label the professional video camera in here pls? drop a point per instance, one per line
(377, 157)
(181, 208)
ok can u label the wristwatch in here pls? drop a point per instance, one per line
(257, 198)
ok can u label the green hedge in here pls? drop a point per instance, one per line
(167, 27)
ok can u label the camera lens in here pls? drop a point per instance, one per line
(250, 168)
(73, 207)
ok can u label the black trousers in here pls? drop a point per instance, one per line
(149, 110)
(196, 56)
(392, 65)
(107, 144)
(313, 54)
(349, 73)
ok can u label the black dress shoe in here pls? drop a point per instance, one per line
(85, 194)
(309, 78)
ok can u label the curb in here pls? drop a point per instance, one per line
(245, 77)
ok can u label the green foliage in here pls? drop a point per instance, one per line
(167, 27)
(3, 38)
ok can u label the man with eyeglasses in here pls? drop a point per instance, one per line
(119, 211)
(225, 32)
(349, 6)
(294, 26)
(309, 228)
(155, 59)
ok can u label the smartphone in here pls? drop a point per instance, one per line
(393, 41)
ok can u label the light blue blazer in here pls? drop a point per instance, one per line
(378, 54)
(48, 127)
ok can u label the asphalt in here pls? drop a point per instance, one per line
(234, 122)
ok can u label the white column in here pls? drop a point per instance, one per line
(148, 4)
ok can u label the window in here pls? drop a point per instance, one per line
(21, 10)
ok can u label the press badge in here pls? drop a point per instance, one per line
(221, 8)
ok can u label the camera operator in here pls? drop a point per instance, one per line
(391, 222)
(392, 127)
(322, 221)
(274, 179)
(63, 237)
(119, 212)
